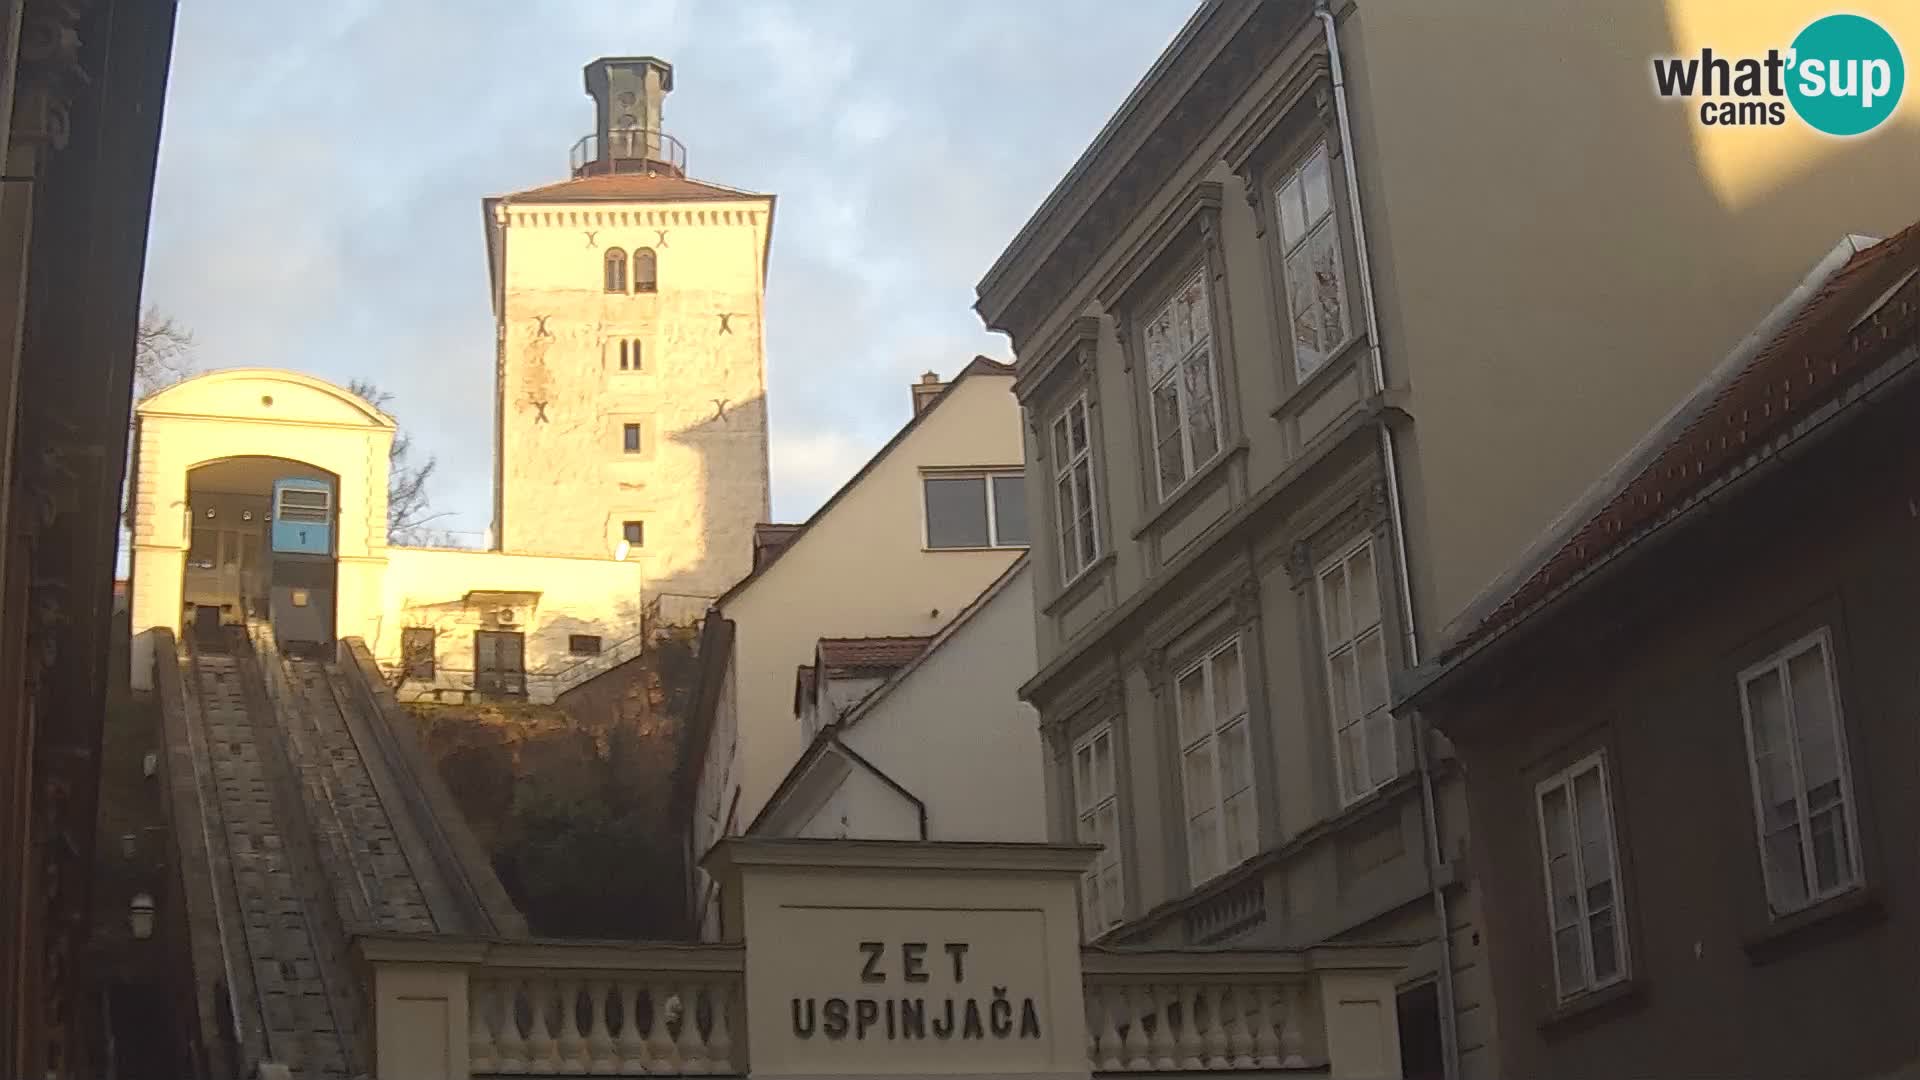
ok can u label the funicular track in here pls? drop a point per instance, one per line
(292, 992)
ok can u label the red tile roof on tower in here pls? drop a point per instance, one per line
(1856, 320)
(629, 187)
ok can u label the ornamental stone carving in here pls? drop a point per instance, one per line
(50, 73)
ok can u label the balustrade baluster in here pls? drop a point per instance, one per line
(600, 1058)
(693, 1050)
(633, 1041)
(480, 998)
(1239, 1037)
(1113, 1003)
(1090, 999)
(661, 1056)
(1292, 1042)
(720, 1040)
(542, 1056)
(1139, 1002)
(1166, 1041)
(511, 1046)
(1266, 1041)
(1216, 1035)
(1192, 1046)
(571, 1048)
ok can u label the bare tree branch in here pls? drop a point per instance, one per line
(408, 502)
(162, 353)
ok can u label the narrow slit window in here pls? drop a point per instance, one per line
(630, 438)
(630, 354)
(634, 533)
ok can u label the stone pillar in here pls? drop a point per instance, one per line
(1363, 1027)
(420, 1021)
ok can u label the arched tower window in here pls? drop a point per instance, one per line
(645, 270)
(617, 270)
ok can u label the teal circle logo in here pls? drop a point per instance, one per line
(1846, 75)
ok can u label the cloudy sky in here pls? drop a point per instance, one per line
(322, 165)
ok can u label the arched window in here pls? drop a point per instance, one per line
(617, 270)
(645, 270)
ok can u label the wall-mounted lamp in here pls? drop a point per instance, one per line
(140, 916)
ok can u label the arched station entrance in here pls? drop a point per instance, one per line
(261, 544)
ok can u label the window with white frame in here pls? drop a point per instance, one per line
(1073, 489)
(1356, 661)
(1802, 783)
(1216, 763)
(1184, 390)
(1583, 879)
(975, 510)
(1096, 805)
(1316, 283)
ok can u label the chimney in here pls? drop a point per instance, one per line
(628, 93)
(925, 391)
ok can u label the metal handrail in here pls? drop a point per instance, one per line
(628, 150)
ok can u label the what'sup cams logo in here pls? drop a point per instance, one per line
(1842, 75)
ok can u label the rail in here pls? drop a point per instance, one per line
(628, 150)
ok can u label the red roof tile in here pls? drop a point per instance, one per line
(870, 653)
(628, 187)
(1860, 317)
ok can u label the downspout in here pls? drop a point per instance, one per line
(1429, 811)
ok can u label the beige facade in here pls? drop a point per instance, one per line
(862, 565)
(1264, 488)
(941, 749)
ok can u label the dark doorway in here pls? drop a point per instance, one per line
(499, 662)
(1422, 1053)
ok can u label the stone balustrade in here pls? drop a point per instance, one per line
(547, 1008)
(1189, 1010)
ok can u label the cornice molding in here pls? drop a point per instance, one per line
(1069, 356)
(1198, 211)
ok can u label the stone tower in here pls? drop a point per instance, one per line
(630, 412)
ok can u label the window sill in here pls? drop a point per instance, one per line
(1185, 494)
(976, 547)
(1810, 926)
(1594, 1006)
(1343, 361)
(1082, 584)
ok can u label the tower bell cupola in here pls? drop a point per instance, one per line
(627, 93)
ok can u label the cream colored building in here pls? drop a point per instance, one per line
(909, 542)
(630, 450)
(1331, 319)
(920, 738)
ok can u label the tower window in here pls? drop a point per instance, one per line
(616, 267)
(645, 270)
(630, 438)
(629, 354)
(634, 533)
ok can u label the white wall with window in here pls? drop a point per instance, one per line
(1577, 848)
(1071, 435)
(1365, 755)
(1802, 782)
(984, 509)
(1096, 807)
(1216, 762)
(1315, 280)
(1183, 384)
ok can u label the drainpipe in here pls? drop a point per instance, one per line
(1429, 811)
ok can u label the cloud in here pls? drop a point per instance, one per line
(321, 170)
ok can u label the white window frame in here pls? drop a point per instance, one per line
(1203, 866)
(1191, 461)
(986, 478)
(1565, 987)
(1855, 875)
(1330, 219)
(302, 513)
(1087, 807)
(1331, 649)
(1067, 505)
